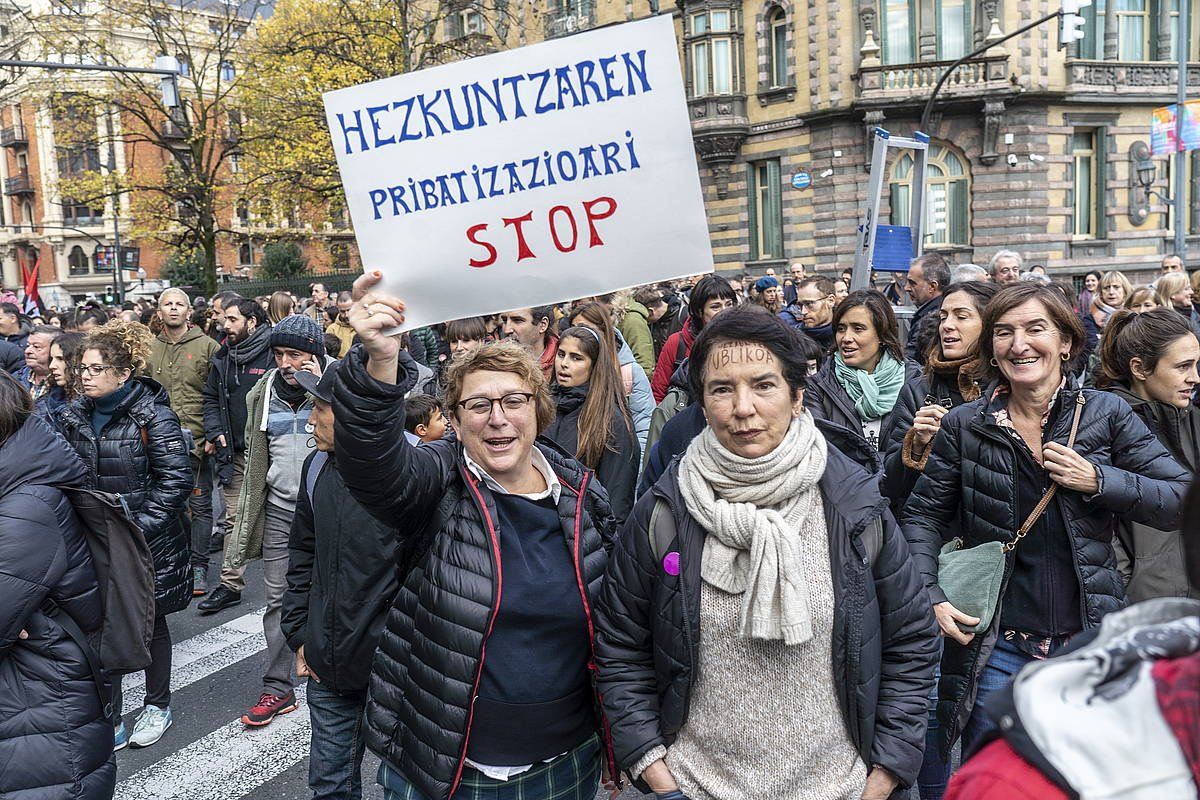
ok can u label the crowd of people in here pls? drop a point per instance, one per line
(692, 535)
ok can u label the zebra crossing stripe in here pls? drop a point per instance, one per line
(196, 658)
(233, 761)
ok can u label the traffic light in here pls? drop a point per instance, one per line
(1072, 22)
(109, 296)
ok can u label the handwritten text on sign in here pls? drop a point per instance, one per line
(530, 176)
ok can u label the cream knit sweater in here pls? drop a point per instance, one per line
(764, 721)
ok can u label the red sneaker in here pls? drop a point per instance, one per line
(268, 707)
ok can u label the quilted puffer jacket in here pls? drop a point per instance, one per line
(430, 657)
(142, 455)
(884, 634)
(55, 741)
(968, 489)
(826, 398)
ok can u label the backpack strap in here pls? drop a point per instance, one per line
(53, 609)
(662, 529)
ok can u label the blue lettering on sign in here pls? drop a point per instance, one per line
(801, 180)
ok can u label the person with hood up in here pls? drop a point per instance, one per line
(761, 630)
(126, 433)
(56, 743)
(236, 369)
(278, 441)
(1149, 361)
(180, 359)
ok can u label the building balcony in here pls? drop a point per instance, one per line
(13, 136)
(173, 130)
(899, 82)
(18, 184)
(719, 126)
(1149, 79)
(577, 17)
(466, 46)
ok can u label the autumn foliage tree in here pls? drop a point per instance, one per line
(174, 162)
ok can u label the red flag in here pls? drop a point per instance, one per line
(29, 278)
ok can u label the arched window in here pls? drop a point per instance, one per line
(778, 41)
(947, 197)
(77, 261)
(245, 254)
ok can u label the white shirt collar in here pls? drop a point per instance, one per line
(553, 485)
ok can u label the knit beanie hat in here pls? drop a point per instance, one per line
(300, 333)
(762, 284)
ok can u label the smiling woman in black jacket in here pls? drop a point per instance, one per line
(994, 461)
(591, 421)
(762, 632)
(125, 431)
(55, 741)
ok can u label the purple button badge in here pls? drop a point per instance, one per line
(671, 563)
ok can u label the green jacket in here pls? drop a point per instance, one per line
(247, 533)
(635, 327)
(182, 368)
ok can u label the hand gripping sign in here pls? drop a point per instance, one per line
(527, 177)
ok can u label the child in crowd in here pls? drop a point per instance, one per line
(423, 418)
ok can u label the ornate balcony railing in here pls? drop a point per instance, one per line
(903, 81)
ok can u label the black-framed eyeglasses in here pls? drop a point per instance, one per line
(95, 370)
(482, 406)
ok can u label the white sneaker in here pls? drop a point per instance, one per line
(150, 726)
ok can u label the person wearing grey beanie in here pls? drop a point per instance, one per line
(298, 332)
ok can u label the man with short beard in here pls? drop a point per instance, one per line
(340, 327)
(236, 368)
(180, 359)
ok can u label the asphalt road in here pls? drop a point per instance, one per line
(208, 754)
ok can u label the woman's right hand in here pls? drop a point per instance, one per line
(372, 315)
(926, 424)
(948, 618)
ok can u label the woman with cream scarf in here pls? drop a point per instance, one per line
(761, 632)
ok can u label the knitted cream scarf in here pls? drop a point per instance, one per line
(759, 511)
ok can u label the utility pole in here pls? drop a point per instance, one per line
(1181, 50)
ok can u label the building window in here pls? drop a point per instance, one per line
(227, 71)
(1133, 29)
(77, 261)
(81, 214)
(902, 22)
(185, 66)
(1191, 193)
(777, 25)
(339, 256)
(1088, 183)
(766, 209)
(947, 197)
(27, 213)
(245, 254)
(468, 21)
(714, 62)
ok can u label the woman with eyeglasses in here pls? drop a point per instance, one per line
(592, 421)
(124, 429)
(482, 686)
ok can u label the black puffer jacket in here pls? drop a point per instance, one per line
(968, 489)
(618, 467)
(142, 455)
(900, 479)
(1153, 562)
(55, 741)
(430, 656)
(341, 580)
(884, 634)
(826, 398)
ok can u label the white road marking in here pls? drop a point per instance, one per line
(196, 658)
(231, 762)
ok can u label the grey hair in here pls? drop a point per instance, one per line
(1005, 254)
(961, 273)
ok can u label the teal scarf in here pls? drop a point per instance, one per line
(874, 393)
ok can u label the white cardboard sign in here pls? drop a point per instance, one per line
(559, 170)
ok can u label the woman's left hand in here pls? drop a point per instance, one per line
(1069, 469)
(880, 784)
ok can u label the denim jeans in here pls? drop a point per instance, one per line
(336, 754)
(1002, 666)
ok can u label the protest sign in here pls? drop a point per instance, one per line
(531, 176)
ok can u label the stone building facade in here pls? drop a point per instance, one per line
(1034, 147)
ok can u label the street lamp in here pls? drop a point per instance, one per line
(1147, 173)
(141, 273)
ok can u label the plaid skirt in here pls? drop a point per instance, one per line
(573, 776)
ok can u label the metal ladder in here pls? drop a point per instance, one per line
(889, 248)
